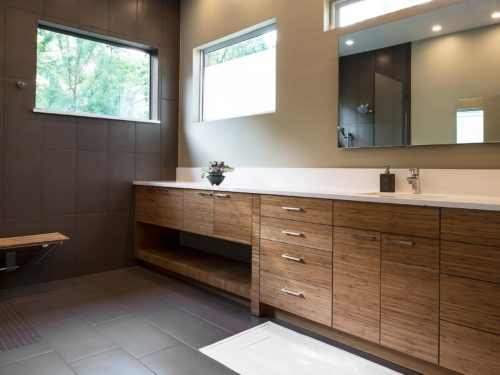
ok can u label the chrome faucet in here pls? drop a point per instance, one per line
(414, 180)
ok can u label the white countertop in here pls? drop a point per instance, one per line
(479, 202)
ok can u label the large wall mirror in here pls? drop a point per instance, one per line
(424, 80)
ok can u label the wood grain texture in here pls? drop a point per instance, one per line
(32, 240)
(199, 212)
(255, 294)
(473, 261)
(170, 208)
(388, 218)
(316, 236)
(220, 272)
(233, 217)
(410, 296)
(470, 226)
(315, 303)
(356, 283)
(315, 267)
(146, 204)
(469, 351)
(471, 303)
(311, 210)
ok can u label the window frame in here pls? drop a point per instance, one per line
(154, 97)
(219, 45)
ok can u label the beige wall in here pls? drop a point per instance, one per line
(451, 67)
(302, 132)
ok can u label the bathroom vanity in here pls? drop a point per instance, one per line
(415, 281)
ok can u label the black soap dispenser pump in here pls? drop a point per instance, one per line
(387, 181)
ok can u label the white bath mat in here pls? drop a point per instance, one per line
(270, 349)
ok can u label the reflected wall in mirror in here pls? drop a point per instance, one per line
(432, 88)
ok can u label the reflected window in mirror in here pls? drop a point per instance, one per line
(470, 126)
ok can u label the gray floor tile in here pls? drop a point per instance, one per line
(137, 336)
(183, 360)
(25, 352)
(44, 364)
(98, 309)
(75, 339)
(113, 362)
(74, 293)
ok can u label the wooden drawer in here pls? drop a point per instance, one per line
(316, 236)
(146, 205)
(473, 261)
(310, 210)
(295, 262)
(356, 283)
(389, 218)
(471, 303)
(471, 226)
(199, 212)
(233, 217)
(410, 295)
(170, 208)
(469, 351)
(307, 301)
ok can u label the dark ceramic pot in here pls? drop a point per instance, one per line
(215, 179)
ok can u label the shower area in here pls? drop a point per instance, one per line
(374, 98)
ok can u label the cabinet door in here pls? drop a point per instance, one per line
(233, 217)
(170, 208)
(410, 296)
(356, 283)
(146, 205)
(199, 212)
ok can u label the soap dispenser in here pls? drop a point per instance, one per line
(387, 181)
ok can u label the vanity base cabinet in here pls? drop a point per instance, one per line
(233, 217)
(199, 212)
(170, 208)
(146, 204)
(356, 283)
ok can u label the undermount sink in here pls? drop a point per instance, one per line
(403, 195)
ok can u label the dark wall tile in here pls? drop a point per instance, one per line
(59, 132)
(90, 243)
(20, 43)
(30, 5)
(147, 167)
(123, 17)
(94, 13)
(121, 173)
(92, 167)
(58, 183)
(169, 167)
(22, 196)
(121, 136)
(170, 73)
(171, 23)
(149, 20)
(2, 39)
(63, 9)
(22, 127)
(92, 134)
(169, 126)
(120, 239)
(147, 137)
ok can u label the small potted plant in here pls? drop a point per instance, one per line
(215, 172)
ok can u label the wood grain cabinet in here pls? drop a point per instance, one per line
(356, 283)
(170, 204)
(199, 212)
(308, 210)
(233, 217)
(146, 204)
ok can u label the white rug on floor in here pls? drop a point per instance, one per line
(270, 349)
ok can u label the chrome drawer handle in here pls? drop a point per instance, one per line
(363, 237)
(400, 242)
(294, 209)
(206, 194)
(293, 234)
(290, 257)
(293, 293)
(222, 195)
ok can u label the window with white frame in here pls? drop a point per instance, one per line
(348, 12)
(239, 76)
(470, 125)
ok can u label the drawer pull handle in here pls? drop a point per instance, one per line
(293, 209)
(293, 293)
(293, 234)
(290, 257)
(222, 195)
(206, 194)
(162, 191)
(400, 242)
(363, 237)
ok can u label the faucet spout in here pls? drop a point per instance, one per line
(414, 180)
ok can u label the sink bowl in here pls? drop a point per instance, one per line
(403, 195)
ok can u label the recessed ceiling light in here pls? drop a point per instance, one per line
(495, 15)
(436, 28)
(349, 42)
